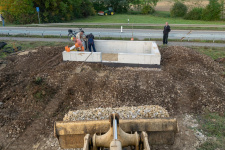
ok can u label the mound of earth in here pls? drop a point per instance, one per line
(38, 88)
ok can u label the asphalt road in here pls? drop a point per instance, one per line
(158, 42)
(137, 33)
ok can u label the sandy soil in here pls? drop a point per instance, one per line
(109, 57)
(38, 88)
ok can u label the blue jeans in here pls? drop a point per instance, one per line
(165, 38)
(93, 46)
(3, 22)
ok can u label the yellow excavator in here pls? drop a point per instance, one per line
(116, 134)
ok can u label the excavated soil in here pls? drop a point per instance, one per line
(38, 88)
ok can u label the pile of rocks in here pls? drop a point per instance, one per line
(147, 111)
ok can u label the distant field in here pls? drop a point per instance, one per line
(165, 5)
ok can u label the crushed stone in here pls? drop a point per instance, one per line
(152, 111)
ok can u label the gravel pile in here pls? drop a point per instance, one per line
(148, 111)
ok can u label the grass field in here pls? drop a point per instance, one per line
(160, 17)
(213, 52)
(213, 125)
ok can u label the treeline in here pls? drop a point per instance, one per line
(213, 11)
(24, 11)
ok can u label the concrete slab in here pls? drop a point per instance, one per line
(66, 56)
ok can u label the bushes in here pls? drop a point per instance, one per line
(87, 8)
(147, 9)
(194, 14)
(178, 10)
(212, 11)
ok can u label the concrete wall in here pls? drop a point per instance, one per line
(81, 56)
(131, 52)
(119, 46)
(138, 58)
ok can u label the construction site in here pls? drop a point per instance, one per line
(53, 99)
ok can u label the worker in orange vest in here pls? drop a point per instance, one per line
(78, 46)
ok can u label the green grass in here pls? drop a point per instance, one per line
(117, 38)
(213, 52)
(157, 18)
(185, 40)
(129, 26)
(213, 125)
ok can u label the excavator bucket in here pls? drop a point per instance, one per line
(159, 131)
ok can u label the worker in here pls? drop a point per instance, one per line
(91, 42)
(80, 36)
(78, 46)
(3, 22)
(166, 33)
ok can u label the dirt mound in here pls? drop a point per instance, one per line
(39, 88)
(221, 60)
(198, 76)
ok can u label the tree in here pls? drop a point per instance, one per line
(150, 2)
(99, 5)
(194, 14)
(222, 3)
(17, 11)
(118, 5)
(178, 9)
(24, 11)
(212, 11)
(147, 9)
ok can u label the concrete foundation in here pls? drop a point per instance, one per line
(129, 52)
(82, 56)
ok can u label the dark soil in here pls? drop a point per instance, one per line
(39, 88)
